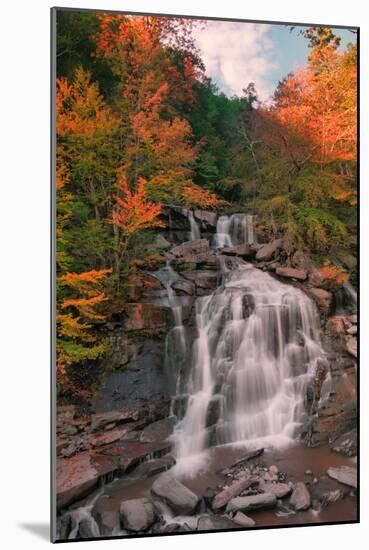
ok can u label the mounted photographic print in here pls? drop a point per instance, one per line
(204, 282)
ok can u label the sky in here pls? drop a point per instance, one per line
(238, 53)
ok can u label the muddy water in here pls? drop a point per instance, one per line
(293, 460)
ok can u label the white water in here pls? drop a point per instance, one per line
(257, 346)
(195, 231)
(235, 229)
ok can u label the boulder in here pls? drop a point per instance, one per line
(300, 498)
(244, 521)
(344, 474)
(154, 467)
(137, 514)
(212, 522)
(267, 251)
(76, 477)
(205, 279)
(253, 502)
(345, 444)
(248, 456)
(88, 528)
(190, 252)
(180, 499)
(352, 330)
(280, 490)
(242, 250)
(213, 412)
(206, 217)
(106, 516)
(158, 431)
(140, 316)
(291, 273)
(327, 491)
(323, 298)
(232, 491)
(182, 286)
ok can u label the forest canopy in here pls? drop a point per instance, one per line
(141, 125)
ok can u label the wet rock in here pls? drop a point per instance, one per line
(180, 499)
(300, 498)
(291, 273)
(344, 474)
(205, 279)
(137, 514)
(213, 412)
(351, 346)
(190, 252)
(88, 528)
(76, 477)
(212, 522)
(109, 436)
(248, 456)
(146, 316)
(323, 298)
(345, 444)
(253, 502)
(106, 516)
(352, 330)
(242, 250)
(327, 491)
(99, 421)
(232, 491)
(207, 218)
(182, 286)
(280, 490)
(158, 431)
(144, 387)
(64, 524)
(153, 467)
(267, 251)
(244, 521)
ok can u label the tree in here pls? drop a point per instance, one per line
(132, 213)
(80, 296)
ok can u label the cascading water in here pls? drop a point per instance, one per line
(234, 230)
(257, 345)
(195, 231)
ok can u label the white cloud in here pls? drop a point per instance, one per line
(236, 54)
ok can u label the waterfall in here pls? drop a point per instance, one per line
(195, 231)
(258, 341)
(234, 230)
(345, 299)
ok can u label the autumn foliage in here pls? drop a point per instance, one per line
(133, 212)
